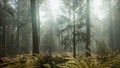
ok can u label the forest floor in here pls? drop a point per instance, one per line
(65, 60)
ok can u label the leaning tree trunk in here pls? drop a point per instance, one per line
(34, 27)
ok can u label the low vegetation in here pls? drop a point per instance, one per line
(104, 60)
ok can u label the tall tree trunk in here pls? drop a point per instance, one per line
(88, 29)
(111, 26)
(34, 27)
(74, 38)
(4, 42)
(116, 26)
(17, 35)
(38, 22)
(3, 33)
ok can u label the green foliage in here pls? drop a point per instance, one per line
(73, 16)
(6, 12)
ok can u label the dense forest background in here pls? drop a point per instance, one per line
(59, 26)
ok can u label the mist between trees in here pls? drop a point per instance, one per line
(58, 26)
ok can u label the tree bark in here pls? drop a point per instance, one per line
(74, 38)
(34, 27)
(88, 29)
(111, 27)
(4, 42)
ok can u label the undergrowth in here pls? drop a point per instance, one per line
(101, 60)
